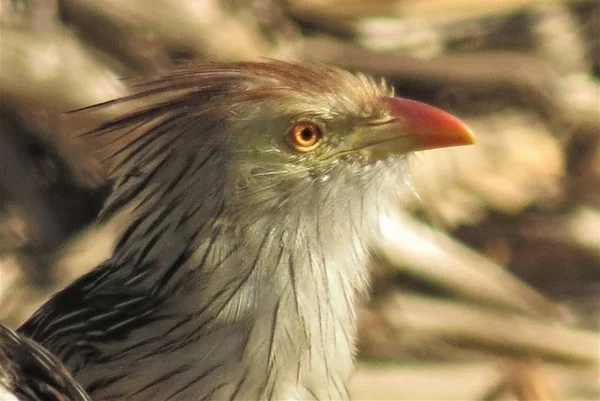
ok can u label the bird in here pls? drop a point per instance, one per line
(28, 372)
(247, 195)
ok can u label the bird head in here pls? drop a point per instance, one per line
(272, 136)
(302, 126)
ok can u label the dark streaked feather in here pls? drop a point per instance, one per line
(31, 373)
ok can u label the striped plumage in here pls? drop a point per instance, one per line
(28, 372)
(241, 260)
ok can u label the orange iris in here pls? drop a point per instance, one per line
(305, 136)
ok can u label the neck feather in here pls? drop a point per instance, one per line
(260, 312)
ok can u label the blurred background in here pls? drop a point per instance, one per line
(485, 287)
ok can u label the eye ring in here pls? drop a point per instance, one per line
(305, 136)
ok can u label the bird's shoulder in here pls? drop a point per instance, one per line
(90, 311)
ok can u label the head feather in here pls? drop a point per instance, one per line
(166, 107)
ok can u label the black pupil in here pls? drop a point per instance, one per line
(306, 134)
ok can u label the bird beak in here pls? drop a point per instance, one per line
(412, 126)
(428, 126)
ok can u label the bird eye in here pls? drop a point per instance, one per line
(305, 136)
